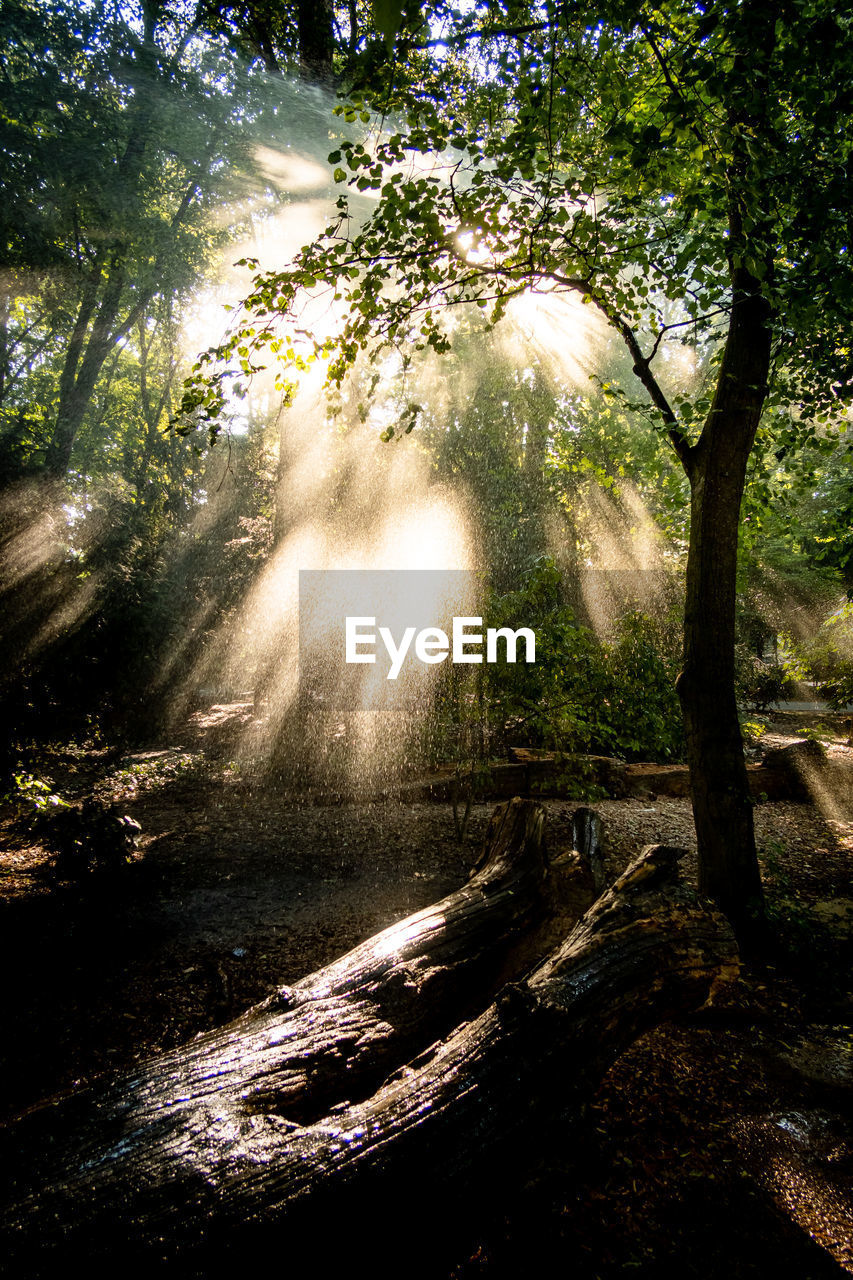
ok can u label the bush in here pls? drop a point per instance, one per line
(611, 696)
(827, 658)
(33, 798)
(91, 838)
(644, 715)
(760, 684)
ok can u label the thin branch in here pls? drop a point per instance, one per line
(449, 42)
(681, 324)
(673, 87)
(677, 436)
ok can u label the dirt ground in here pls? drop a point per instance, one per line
(720, 1146)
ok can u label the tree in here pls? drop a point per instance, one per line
(120, 136)
(323, 40)
(136, 145)
(685, 170)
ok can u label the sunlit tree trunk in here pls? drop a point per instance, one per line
(90, 347)
(102, 318)
(83, 363)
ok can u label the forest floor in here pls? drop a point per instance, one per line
(721, 1145)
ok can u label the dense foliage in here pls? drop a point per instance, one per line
(612, 694)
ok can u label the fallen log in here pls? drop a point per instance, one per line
(388, 997)
(198, 1171)
(337, 1034)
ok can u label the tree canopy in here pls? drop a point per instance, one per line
(125, 135)
(637, 159)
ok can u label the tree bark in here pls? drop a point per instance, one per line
(316, 39)
(722, 807)
(716, 469)
(203, 1159)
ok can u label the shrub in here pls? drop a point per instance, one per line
(33, 797)
(90, 838)
(760, 684)
(613, 696)
(827, 658)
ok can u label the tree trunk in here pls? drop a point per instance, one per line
(100, 308)
(722, 807)
(316, 39)
(716, 467)
(218, 1152)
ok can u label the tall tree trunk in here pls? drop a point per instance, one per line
(716, 467)
(76, 390)
(86, 358)
(316, 39)
(722, 807)
(102, 297)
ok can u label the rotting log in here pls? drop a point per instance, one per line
(337, 1034)
(198, 1178)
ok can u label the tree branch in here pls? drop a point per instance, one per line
(677, 436)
